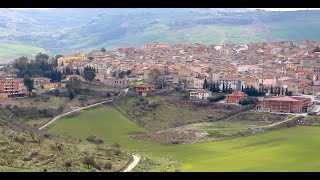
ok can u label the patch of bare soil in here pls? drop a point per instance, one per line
(173, 136)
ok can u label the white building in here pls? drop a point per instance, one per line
(200, 94)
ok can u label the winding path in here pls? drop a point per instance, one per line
(277, 123)
(67, 113)
(136, 160)
(79, 109)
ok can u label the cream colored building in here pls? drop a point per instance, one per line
(65, 60)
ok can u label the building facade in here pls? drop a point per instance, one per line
(200, 94)
(285, 104)
(144, 88)
(12, 88)
(235, 97)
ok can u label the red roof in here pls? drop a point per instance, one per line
(286, 98)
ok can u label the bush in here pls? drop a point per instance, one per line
(248, 101)
(216, 99)
(68, 163)
(94, 140)
(89, 161)
(108, 165)
(19, 139)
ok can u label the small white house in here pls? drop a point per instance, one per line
(200, 94)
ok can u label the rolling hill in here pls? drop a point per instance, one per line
(58, 31)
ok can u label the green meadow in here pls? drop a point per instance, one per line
(10, 51)
(293, 149)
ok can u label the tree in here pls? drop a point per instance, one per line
(42, 57)
(282, 91)
(90, 58)
(68, 70)
(71, 95)
(154, 74)
(89, 74)
(28, 83)
(77, 72)
(217, 88)
(73, 84)
(21, 63)
(213, 87)
(103, 49)
(286, 92)
(205, 84)
(242, 90)
(223, 88)
(271, 90)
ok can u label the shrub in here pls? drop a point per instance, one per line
(19, 139)
(89, 161)
(248, 101)
(115, 145)
(94, 140)
(108, 165)
(216, 99)
(68, 163)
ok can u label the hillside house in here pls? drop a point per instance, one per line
(235, 97)
(200, 94)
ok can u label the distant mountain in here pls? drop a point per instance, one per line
(61, 30)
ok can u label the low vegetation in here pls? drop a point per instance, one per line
(273, 151)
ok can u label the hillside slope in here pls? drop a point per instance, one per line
(59, 31)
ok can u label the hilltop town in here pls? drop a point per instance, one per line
(273, 68)
(181, 94)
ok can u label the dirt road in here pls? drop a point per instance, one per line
(136, 160)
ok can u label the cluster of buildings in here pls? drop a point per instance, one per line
(266, 66)
(276, 65)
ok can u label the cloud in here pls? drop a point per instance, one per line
(32, 8)
(284, 9)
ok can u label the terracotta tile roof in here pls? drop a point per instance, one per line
(286, 98)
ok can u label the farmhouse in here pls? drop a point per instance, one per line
(235, 97)
(286, 104)
(200, 94)
(144, 88)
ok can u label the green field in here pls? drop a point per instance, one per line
(94, 122)
(165, 115)
(10, 169)
(10, 51)
(294, 149)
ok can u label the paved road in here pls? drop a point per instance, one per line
(136, 160)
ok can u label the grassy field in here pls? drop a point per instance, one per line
(53, 102)
(9, 51)
(235, 124)
(10, 169)
(165, 115)
(294, 149)
(94, 122)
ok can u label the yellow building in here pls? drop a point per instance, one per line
(49, 86)
(65, 60)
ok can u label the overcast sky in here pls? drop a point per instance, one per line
(268, 9)
(284, 9)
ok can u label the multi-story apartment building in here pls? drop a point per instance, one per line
(12, 88)
(286, 104)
